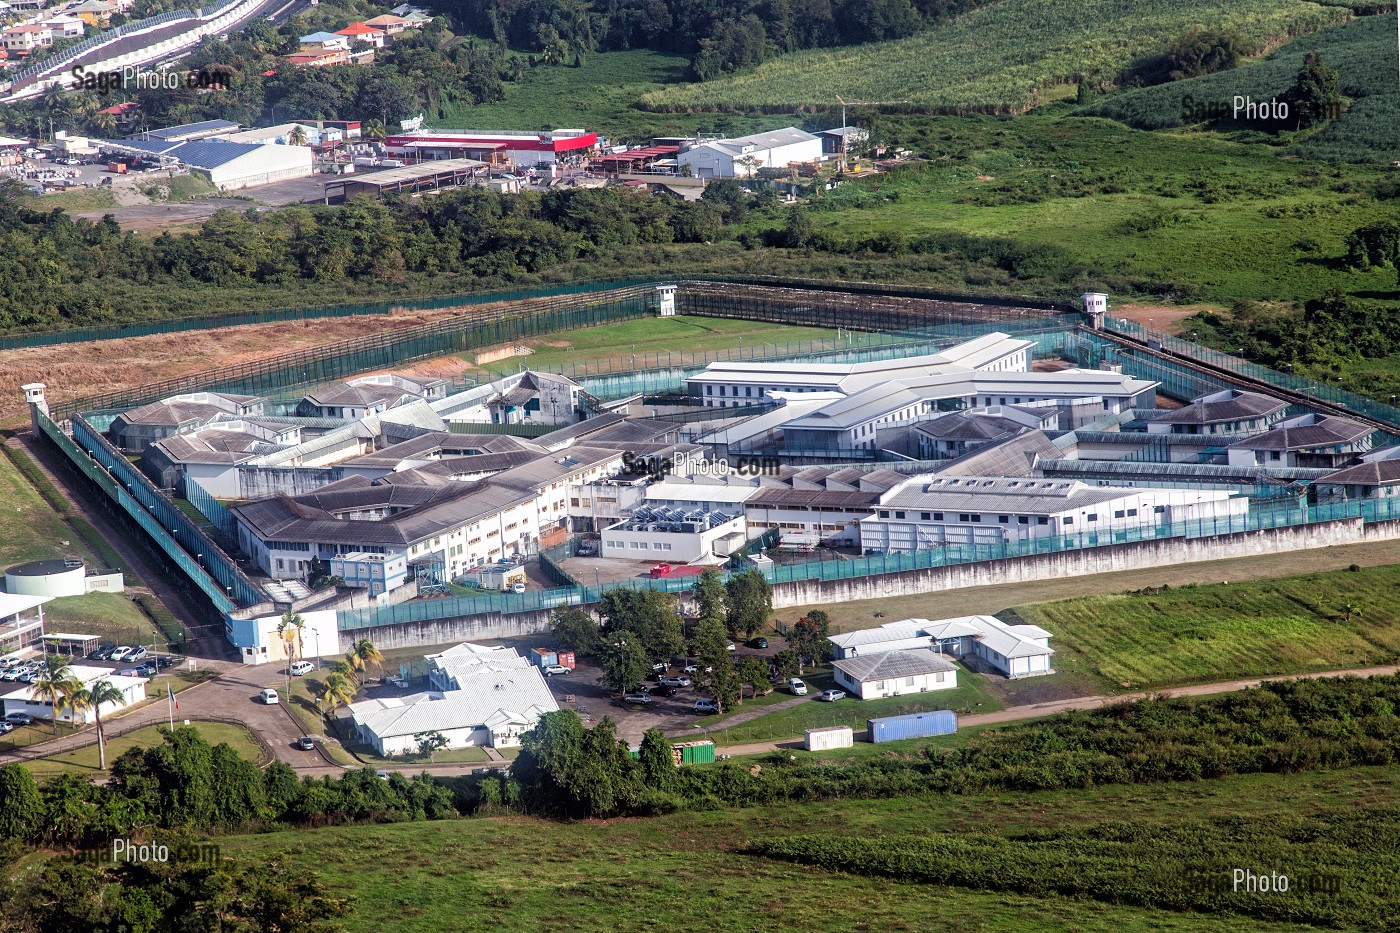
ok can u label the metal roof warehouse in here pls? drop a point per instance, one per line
(426, 176)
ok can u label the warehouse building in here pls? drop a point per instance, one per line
(527, 150)
(232, 166)
(743, 157)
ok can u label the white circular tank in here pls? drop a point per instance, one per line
(62, 576)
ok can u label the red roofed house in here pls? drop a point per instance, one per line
(359, 32)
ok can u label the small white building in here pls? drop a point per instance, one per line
(484, 696)
(742, 157)
(895, 673)
(676, 536)
(1011, 650)
(21, 698)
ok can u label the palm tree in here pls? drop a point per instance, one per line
(289, 627)
(55, 685)
(93, 698)
(362, 654)
(338, 692)
(297, 137)
(374, 129)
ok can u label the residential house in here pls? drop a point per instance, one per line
(26, 38)
(324, 42)
(894, 673)
(390, 24)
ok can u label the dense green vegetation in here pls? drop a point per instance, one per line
(1362, 52)
(997, 59)
(1195, 634)
(85, 760)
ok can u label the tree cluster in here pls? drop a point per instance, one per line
(567, 771)
(56, 271)
(720, 36)
(185, 784)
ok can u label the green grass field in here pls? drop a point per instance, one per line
(643, 339)
(34, 531)
(111, 616)
(1195, 634)
(1180, 217)
(994, 59)
(642, 874)
(973, 694)
(601, 96)
(85, 760)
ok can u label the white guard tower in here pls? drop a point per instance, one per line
(666, 300)
(1095, 308)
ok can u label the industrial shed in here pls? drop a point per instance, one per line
(411, 179)
(232, 166)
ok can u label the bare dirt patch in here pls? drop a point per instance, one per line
(1163, 318)
(84, 369)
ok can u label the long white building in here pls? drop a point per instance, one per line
(742, 157)
(928, 511)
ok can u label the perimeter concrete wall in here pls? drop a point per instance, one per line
(910, 583)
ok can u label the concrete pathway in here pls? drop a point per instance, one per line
(1038, 710)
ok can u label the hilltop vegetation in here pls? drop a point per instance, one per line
(996, 59)
(1362, 52)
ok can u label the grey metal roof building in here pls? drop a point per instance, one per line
(137, 429)
(888, 665)
(1231, 411)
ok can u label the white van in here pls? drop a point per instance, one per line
(268, 696)
(798, 688)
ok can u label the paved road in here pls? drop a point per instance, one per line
(1039, 710)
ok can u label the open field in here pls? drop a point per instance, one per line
(971, 695)
(1362, 52)
(34, 531)
(1193, 634)
(996, 59)
(602, 95)
(621, 343)
(85, 760)
(1183, 218)
(640, 874)
(111, 616)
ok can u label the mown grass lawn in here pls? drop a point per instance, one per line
(973, 694)
(110, 616)
(1194, 634)
(647, 337)
(645, 874)
(85, 760)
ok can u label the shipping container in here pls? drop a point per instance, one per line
(693, 753)
(912, 726)
(829, 737)
(543, 657)
(566, 659)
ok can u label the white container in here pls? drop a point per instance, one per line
(827, 738)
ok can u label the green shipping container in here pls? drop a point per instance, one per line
(694, 753)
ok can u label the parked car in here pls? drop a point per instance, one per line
(690, 667)
(119, 653)
(517, 587)
(136, 654)
(758, 643)
(19, 719)
(103, 651)
(6, 727)
(302, 667)
(130, 672)
(705, 705)
(637, 699)
(797, 686)
(554, 670)
(831, 696)
(668, 691)
(165, 661)
(268, 696)
(9, 661)
(147, 670)
(675, 681)
(11, 674)
(660, 667)
(306, 743)
(731, 647)
(586, 549)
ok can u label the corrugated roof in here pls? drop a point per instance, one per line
(1375, 473)
(1308, 431)
(889, 665)
(1229, 405)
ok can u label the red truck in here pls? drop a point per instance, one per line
(666, 570)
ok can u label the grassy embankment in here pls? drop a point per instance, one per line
(84, 761)
(638, 874)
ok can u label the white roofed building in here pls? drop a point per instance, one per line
(895, 673)
(1011, 650)
(930, 511)
(20, 697)
(743, 157)
(482, 696)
